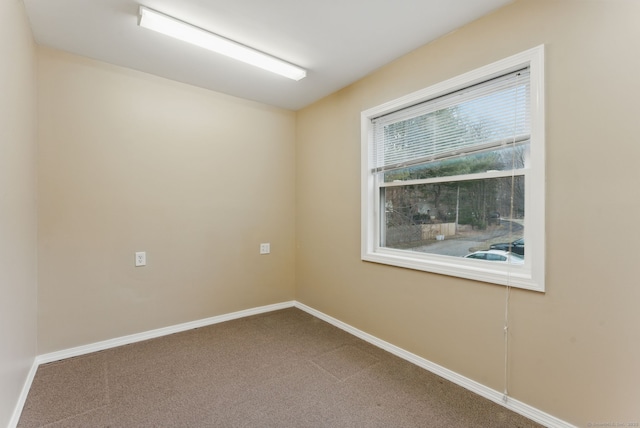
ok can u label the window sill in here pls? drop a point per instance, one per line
(477, 270)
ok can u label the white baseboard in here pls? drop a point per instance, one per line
(22, 399)
(152, 334)
(482, 390)
(473, 386)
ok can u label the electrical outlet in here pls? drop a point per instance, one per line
(265, 248)
(141, 258)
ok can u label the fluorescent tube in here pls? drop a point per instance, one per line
(186, 32)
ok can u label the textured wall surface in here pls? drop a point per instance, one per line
(130, 162)
(18, 223)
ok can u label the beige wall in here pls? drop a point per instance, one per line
(573, 350)
(17, 204)
(130, 162)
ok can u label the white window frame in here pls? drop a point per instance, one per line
(531, 275)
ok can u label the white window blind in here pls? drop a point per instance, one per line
(478, 118)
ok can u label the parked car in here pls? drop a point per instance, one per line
(516, 246)
(497, 256)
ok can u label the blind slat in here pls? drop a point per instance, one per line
(486, 115)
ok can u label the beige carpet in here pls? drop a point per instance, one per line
(280, 369)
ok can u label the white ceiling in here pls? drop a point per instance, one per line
(337, 41)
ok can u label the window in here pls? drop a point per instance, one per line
(453, 176)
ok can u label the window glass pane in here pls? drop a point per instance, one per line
(454, 218)
(501, 159)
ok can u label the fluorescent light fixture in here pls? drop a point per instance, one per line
(186, 32)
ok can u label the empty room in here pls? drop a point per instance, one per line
(334, 237)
